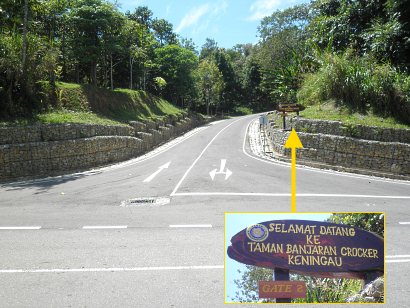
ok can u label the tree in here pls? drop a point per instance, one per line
(137, 43)
(208, 48)
(163, 31)
(141, 15)
(283, 54)
(231, 87)
(296, 17)
(377, 27)
(251, 83)
(111, 41)
(176, 65)
(188, 44)
(209, 83)
(373, 222)
(90, 22)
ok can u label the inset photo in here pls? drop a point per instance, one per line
(304, 257)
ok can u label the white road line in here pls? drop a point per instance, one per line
(398, 261)
(105, 227)
(190, 226)
(317, 170)
(399, 256)
(404, 223)
(21, 228)
(288, 195)
(113, 269)
(199, 157)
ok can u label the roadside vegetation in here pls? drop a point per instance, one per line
(329, 110)
(56, 55)
(87, 104)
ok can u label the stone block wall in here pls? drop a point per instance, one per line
(44, 150)
(56, 132)
(326, 146)
(354, 131)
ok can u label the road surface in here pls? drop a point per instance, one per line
(89, 240)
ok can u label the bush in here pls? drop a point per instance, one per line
(21, 88)
(360, 84)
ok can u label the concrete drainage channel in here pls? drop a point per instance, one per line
(145, 202)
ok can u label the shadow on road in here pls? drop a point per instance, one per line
(45, 184)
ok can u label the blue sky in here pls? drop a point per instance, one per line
(236, 222)
(228, 22)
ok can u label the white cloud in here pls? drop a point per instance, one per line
(192, 17)
(262, 8)
(196, 13)
(168, 10)
(220, 7)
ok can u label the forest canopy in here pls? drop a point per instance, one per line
(354, 54)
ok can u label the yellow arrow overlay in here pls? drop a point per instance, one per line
(293, 143)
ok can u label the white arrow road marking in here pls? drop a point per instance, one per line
(152, 176)
(214, 172)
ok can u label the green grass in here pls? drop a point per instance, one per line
(66, 116)
(241, 110)
(328, 111)
(87, 104)
(62, 117)
(66, 85)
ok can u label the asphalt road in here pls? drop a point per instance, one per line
(86, 240)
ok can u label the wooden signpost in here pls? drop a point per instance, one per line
(285, 108)
(290, 108)
(313, 248)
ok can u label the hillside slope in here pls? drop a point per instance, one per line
(75, 103)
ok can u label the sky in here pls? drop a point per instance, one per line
(236, 222)
(228, 22)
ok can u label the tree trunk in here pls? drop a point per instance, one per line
(131, 65)
(77, 73)
(111, 79)
(93, 74)
(144, 78)
(24, 47)
(25, 93)
(63, 53)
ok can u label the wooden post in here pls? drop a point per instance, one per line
(284, 120)
(281, 275)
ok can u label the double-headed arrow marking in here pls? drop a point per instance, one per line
(152, 176)
(227, 173)
(293, 143)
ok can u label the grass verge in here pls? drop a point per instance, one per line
(87, 104)
(328, 111)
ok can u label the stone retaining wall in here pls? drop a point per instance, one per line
(44, 150)
(337, 150)
(354, 131)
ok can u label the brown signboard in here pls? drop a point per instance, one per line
(290, 108)
(309, 247)
(282, 289)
